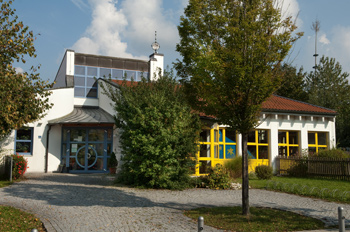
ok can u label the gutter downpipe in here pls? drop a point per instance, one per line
(47, 148)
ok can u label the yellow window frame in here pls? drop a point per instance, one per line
(287, 144)
(215, 144)
(316, 145)
(257, 144)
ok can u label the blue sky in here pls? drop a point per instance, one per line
(125, 28)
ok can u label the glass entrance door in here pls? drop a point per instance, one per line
(86, 150)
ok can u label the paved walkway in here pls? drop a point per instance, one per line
(66, 202)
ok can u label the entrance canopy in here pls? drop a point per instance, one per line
(84, 115)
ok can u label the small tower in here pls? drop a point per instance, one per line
(156, 61)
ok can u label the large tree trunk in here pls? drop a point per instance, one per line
(245, 180)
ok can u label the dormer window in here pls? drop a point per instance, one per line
(85, 83)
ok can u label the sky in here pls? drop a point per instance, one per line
(126, 28)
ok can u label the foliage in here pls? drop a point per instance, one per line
(199, 182)
(332, 153)
(234, 167)
(218, 178)
(112, 161)
(299, 168)
(329, 87)
(293, 83)
(230, 49)
(158, 132)
(13, 219)
(23, 96)
(261, 219)
(264, 172)
(20, 166)
(4, 183)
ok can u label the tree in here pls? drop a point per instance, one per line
(158, 132)
(329, 87)
(293, 83)
(23, 96)
(230, 49)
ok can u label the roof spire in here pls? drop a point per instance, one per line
(155, 45)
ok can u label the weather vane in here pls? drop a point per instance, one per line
(155, 45)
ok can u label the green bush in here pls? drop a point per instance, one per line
(112, 161)
(298, 169)
(332, 153)
(158, 133)
(234, 167)
(251, 176)
(218, 178)
(199, 182)
(264, 172)
(20, 166)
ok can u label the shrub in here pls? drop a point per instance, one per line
(251, 175)
(199, 182)
(299, 168)
(234, 167)
(332, 153)
(218, 178)
(112, 161)
(20, 166)
(263, 172)
(158, 132)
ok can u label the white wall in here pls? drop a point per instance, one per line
(86, 101)
(63, 100)
(104, 101)
(289, 122)
(156, 64)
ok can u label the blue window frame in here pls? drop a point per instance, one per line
(24, 141)
(86, 149)
(85, 83)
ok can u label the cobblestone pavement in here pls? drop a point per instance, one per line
(67, 202)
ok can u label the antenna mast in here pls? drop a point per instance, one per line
(316, 28)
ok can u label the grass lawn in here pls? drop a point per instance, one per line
(12, 219)
(261, 219)
(330, 190)
(4, 183)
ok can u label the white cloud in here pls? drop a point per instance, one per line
(80, 4)
(339, 46)
(323, 39)
(19, 70)
(128, 31)
(290, 8)
(144, 18)
(336, 44)
(103, 36)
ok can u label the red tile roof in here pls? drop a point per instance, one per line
(279, 104)
(282, 104)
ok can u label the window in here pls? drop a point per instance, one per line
(85, 84)
(258, 144)
(317, 141)
(215, 145)
(288, 143)
(24, 141)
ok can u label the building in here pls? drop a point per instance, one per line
(287, 127)
(78, 133)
